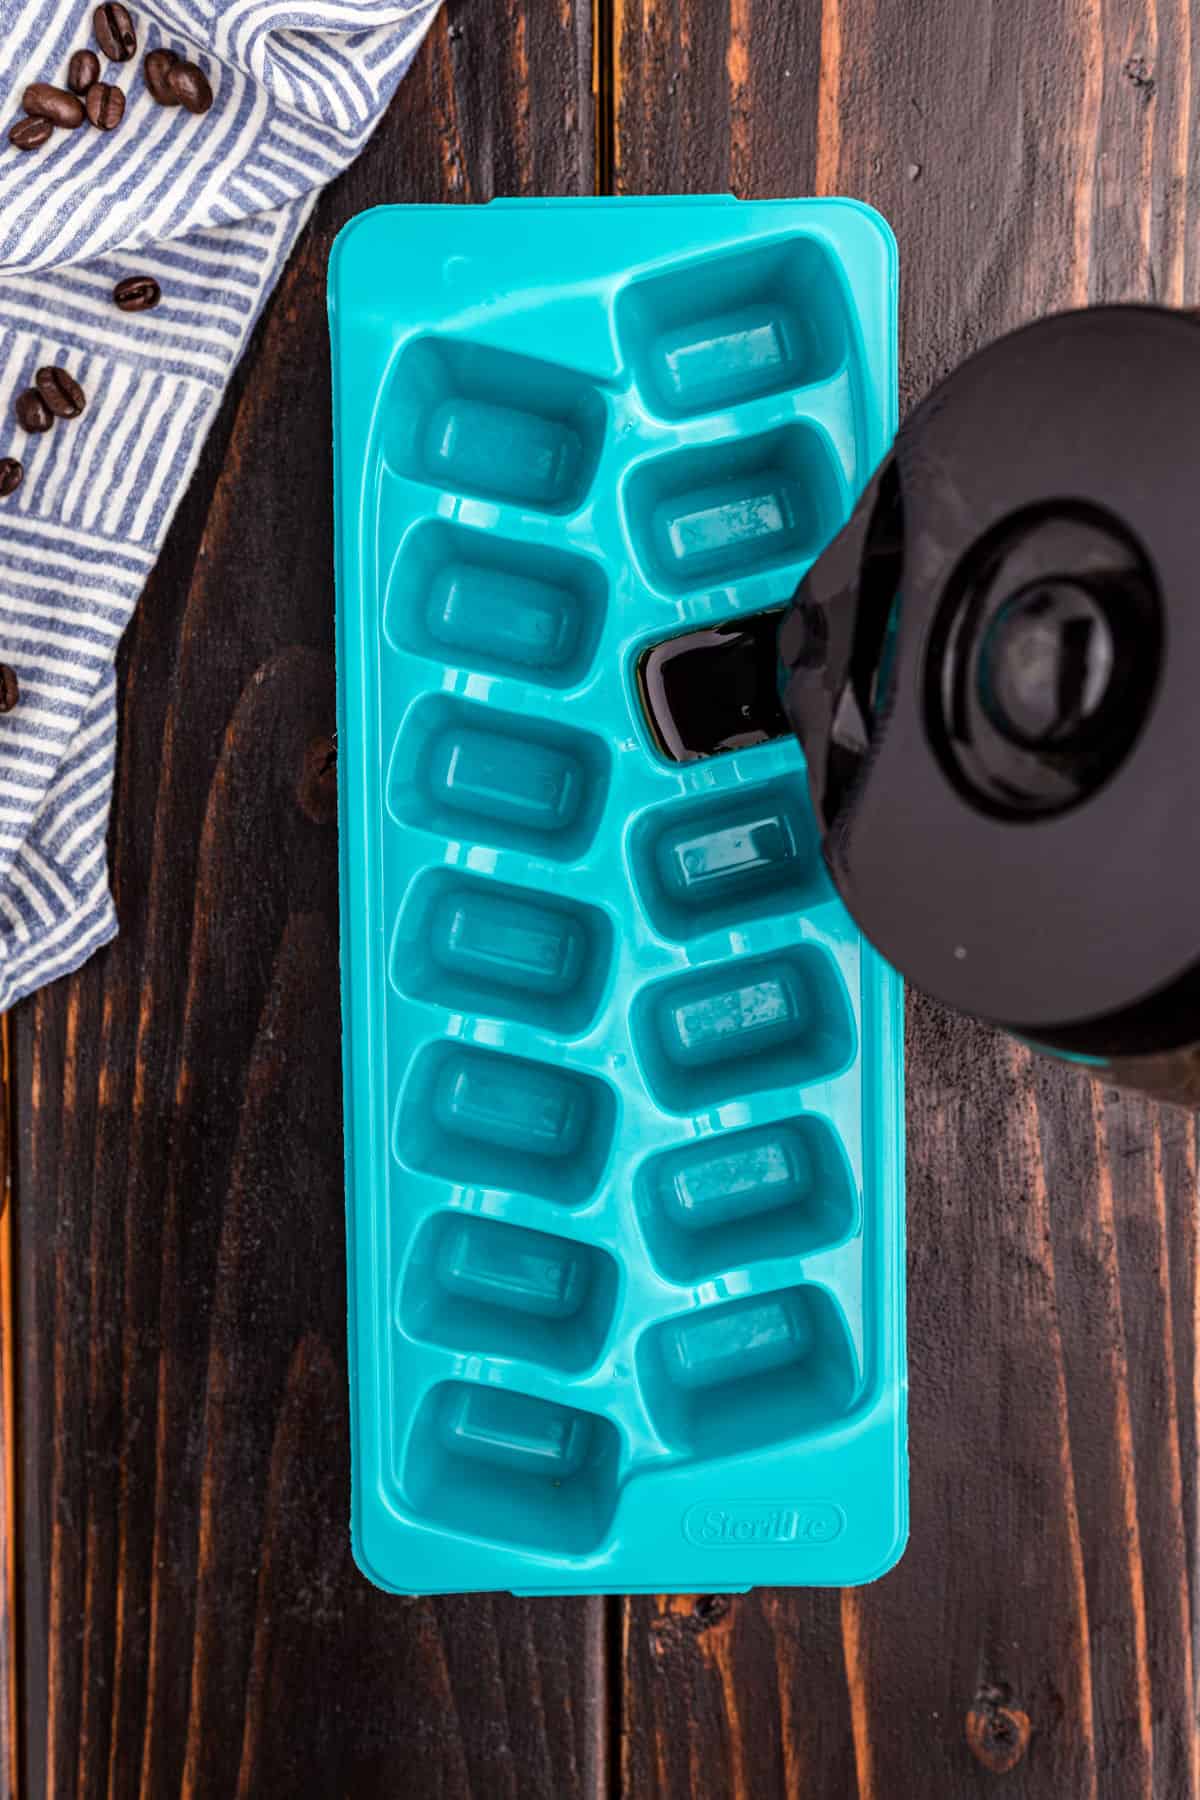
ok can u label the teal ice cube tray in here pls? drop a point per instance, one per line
(624, 1134)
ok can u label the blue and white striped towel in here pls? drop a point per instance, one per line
(210, 206)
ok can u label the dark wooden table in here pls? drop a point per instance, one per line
(183, 1615)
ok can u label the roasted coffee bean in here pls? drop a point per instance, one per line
(32, 411)
(114, 32)
(137, 293)
(11, 474)
(10, 691)
(82, 70)
(27, 134)
(105, 105)
(190, 86)
(41, 101)
(156, 67)
(61, 392)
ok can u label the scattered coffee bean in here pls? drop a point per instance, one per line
(11, 474)
(156, 67)
(32, 411)
(27, 134)
(42, 101)
(105, 105)
(10, 690)
(82, 70)
(137, 293)
(61, 392)
(114, 32)
(189, 85)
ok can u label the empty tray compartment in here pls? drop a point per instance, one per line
(478, 601)
(480, 946)
(473, 420)
(464, 770)
(491, 1289)
(722, 330)
(739, 1197)
(728, 510)
(729, 1378)
(496, 1464)
(780, 1020)
(719, 861)
(483, 1118)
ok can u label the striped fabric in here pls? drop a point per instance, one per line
(210, 206)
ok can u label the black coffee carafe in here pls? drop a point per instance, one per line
(994, 672)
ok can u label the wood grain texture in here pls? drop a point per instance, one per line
(1039, 1636)
(9, 1636)
(193, 1624)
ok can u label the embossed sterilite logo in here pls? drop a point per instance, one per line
(734, 1524)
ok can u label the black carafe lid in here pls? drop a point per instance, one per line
(995, 674)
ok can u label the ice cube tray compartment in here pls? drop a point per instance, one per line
(742, 1197)
(473, 944)
(623, 1085)
(476, 421)
(465, 771)
(703, 865)
(761, 1370)
(478, 601)
(481, 1286)
(483, 1118)
(720, 332)
(527, 1470)
(731, 509)
(776, 1021)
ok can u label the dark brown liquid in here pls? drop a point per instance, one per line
(716, 689)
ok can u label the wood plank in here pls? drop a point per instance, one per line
(9, 1637)
(193, 1622)
(1042, 1622)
